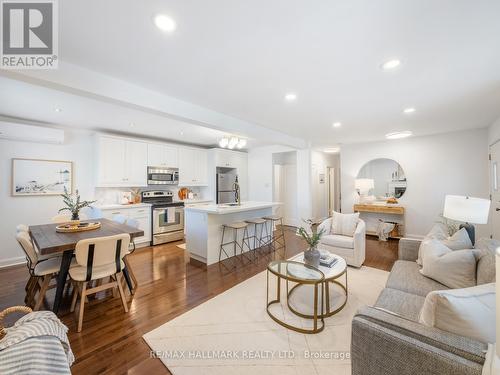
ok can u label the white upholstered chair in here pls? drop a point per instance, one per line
(42, 271)
(352, 249)
(98, 259)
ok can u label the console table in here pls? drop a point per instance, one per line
(386, 212)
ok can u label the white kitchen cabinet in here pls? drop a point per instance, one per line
(121, 162)
(110, 161)
(225, 158)
(160, 155)
(201, 167)
(193, 167)
(141, 214)
(136, 154)
(156, 155)
(229, 158)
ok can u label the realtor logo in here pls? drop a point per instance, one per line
(29, 34)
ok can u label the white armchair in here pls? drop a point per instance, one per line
(352, 249)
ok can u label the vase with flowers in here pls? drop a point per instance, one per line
(312, 237)
(74, 204)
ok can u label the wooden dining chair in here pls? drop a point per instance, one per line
(121, 219)
(135, 224)
(42, 271)
(98, 259)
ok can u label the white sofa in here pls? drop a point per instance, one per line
(352, 249)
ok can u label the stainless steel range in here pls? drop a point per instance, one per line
(167, 216)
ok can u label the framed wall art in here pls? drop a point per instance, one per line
(41, 177)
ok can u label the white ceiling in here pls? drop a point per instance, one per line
(241, 57)
(38, 104)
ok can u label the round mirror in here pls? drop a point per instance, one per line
(389, 179)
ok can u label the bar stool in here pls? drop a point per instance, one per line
(235, 227)
(276, 241)
(258, 222)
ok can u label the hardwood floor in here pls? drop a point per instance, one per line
(111, 340)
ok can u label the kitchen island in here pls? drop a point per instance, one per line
(204, 227)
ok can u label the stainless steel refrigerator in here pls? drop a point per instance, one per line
(225, 187)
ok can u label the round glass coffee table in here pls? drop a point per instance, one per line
(332, 275)
(301, 274)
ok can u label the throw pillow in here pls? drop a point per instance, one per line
(344, 224)
(467, 312)
(458, 241)
(453, 268)
(438, 231)
(486, 263)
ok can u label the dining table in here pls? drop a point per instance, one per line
(51, 242)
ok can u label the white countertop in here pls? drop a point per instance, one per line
(195, 201)
(122, 206)
(221, 209)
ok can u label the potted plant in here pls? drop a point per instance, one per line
(312, 237)
(74, 204)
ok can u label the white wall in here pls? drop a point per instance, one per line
(260, 176)
(260, 172)
(452, 163)
(494, 132)
(39, 210)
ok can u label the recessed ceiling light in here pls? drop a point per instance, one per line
(57, 109)
(182, 132)
(399, 135)
(391, 64)
(165, 23)
(332, 150)
(337, 124)
(132, 124)
(408, 110)
(290, 97)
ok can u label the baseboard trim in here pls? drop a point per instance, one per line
(9, 262)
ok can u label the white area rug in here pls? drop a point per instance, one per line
(232, 333)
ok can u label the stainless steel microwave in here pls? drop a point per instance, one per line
(163, 176)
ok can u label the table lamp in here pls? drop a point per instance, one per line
(468, 210)
(363, 186)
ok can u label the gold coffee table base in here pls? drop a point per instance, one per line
(326, 294)
(317, 317)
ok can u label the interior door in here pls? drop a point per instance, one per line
(495, 190)
(331, 190)
(285, 191)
